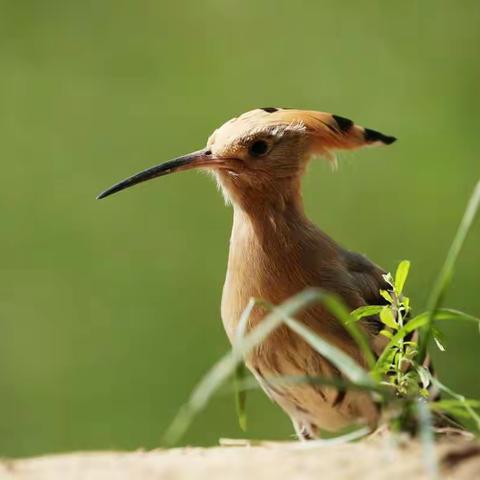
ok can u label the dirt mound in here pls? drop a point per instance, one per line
(373, 459)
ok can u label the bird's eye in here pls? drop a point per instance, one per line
(258, 148)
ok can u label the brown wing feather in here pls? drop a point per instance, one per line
(368, 277)
(367, 280)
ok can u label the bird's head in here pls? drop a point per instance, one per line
(265, 151)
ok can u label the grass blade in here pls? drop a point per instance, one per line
(339, 440)
(340, 383)
(337, 308)
(240, 371)
(452, 403)
(225, 367)
(240, 396)
(466, 404)
(452, 314)
(346, 364)
(443, 281)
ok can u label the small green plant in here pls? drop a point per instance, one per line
(398, 378)
(394, 368)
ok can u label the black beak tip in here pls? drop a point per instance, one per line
(110, 191)
(102, 195)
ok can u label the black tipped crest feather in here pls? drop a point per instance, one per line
(374, 136)
(344, 124)
(269, 109)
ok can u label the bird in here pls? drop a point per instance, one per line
(258, 160)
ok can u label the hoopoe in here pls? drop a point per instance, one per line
(258, 160)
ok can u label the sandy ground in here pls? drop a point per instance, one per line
(371, 459)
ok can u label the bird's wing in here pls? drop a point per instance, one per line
(367, 277)
(367, 280)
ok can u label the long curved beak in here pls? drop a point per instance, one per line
(201, 158)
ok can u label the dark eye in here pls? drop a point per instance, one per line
(258, 148)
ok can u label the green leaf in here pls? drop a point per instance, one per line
(439, 338)
(388, 278)
(424, 393)
(425, 376)
(366, 311)
(415, 323)
(386, 295)
(386, 355)
(386, 316)
(401, 276)
(386, 333)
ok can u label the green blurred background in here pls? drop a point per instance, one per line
(110, 310)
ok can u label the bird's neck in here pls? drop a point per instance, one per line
(274, 253)
(266, 218)
(269, 234)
